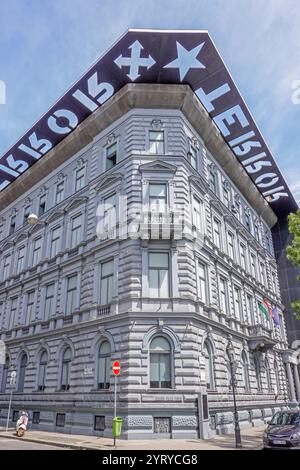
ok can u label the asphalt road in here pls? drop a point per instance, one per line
(16, 444)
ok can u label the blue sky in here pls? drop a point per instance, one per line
(46, 45)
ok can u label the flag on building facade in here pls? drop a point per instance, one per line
(268, 307)
(275, 314)
(264, 310)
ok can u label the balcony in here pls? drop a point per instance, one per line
(261, 338)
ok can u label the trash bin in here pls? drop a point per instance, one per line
(117, 426)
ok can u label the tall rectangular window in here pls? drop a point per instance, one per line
(26, 214)
(30, 308)
(217, 232)
(109, 213)
(247, 218)
(20, 259)
(237, 302)
(6, 266)
(107, 276)
(111, 156)
(158, 197)
(49, 301)
(60, 189)
(158, 274)
(42, 205)
(76, 230)
(197, 214)
(79, 178)
(156, 142)
(202, 282)
(253, 265)
(71, 294)
(256, 232)
(213, 180)
(262, 273)
(230, 245)
(193, 157)
(12, 226)
(36, 251)
(13, 313)
(223, 294)
(55, 242)
(243, 255)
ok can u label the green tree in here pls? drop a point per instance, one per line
(293, 252)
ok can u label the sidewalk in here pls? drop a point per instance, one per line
(251, 438)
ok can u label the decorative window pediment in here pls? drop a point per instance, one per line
(21, 237)
(35, 228)
(157, 166)
(201, 183)
(75, 203)
(54, 216)
(109, 181)
(156, 124)
(7, 245)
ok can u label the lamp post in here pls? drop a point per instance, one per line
(232, 362)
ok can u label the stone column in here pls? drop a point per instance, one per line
(297, 381)
(291, 381)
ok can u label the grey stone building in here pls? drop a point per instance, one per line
(153, 247)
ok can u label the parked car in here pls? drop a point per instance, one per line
(283, 430)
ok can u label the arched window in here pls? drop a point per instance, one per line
(4, 375)
(65, 370)
(245, 365)
(209, 365)
(42, 370)
(22, 374)
(160, 363)
(104, 361)
(277, 378)
(268, 375)
(257, 372)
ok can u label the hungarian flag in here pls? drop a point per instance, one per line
(264, 310)
(275, 315)
(268, 307)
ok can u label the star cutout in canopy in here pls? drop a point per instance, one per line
(186, 60)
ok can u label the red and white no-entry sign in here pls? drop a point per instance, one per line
(116, 368)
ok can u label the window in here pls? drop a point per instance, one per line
(237, 302)
(193, 157)
(247, 220)
(71, 294)
(111, 156)
(6, 266)
(202, 282)
(22, 372)
(243, 255)
(104, 367)
(60, 189)
(42, 370)
(160, 363)
(36, 417)
(4, 375)
(226, 194)
(37, 251)
(60, 420)
(245, 366)
(42, 205)
(250, 310)
(49, 301)
(197, 214)
(217, 232)
(230, 245)
(12, 225)
(76, 230)
(209, 368)
(55, 242)
(262, 273)
(30, 307)
(26, 214)
(79, 178)
(13, 312)
(257, 372)
(156, 142)
(158, 197)
(99, 423)
(274, 281)
(158, 274)
(15, 416)
(268, 375)
(277, 377)
(65, 370)
(223, 295)
(268, 243)
(109, 214)
(256, 232)
(107, 276)
(20, 260)
(253, 265)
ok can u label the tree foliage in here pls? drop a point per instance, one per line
(293, 251)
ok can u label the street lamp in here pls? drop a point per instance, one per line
(232, 362)
(32, 219)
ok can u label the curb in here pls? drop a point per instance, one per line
(50, 443)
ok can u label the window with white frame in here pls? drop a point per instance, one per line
(42, 370)
(109, 212)
(237, 302)
(158, 274)
(71, 301)
(106, 287)
(76, 230)
(198, 214)
(79, 178)
(55, 241)
(12, 225)
(20, 260)
(13, 317)
(42, 205)
(243, 255)
(202, 281)
(247, 218)
(158, 197)
(36, 251)
(60, 190)
(30, 307)
(22, 372)
(156, 142)
(160, 363)
(217, 232)
(65, 369)
(104, 365)
(256, 231)
(26, 214)
(223, 294)
(6, 266)
(253, 265)
(193, 156)
(213, 179)
(209, 365)
(111, 155)
(49, 301)
(230, 245)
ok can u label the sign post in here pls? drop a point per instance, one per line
(116, 368)
(12, 383)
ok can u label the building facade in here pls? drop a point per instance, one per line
(153, 247)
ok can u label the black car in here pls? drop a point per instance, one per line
(283, 430)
